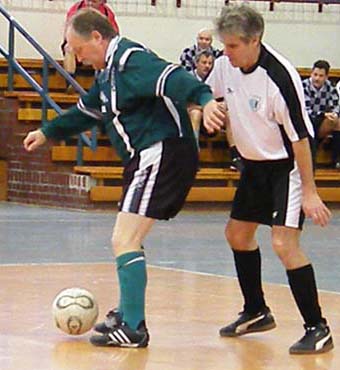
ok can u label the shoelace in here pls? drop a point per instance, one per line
(110, 314)
(309, 328)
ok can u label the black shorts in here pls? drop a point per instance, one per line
(269, 193)
(157, 181)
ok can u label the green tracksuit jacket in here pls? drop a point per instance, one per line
(139, 99)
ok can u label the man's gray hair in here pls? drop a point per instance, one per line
(241, 20)
(87, 20)
(205, 53)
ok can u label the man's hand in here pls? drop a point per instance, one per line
(33, 140)
(332, 117)
(214, 116)
(314, 208)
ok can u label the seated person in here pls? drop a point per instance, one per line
(70, 63)
(322, 103)
(204, 62)
(204, 42)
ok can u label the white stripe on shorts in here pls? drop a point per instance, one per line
(150, 158)
(294, 198)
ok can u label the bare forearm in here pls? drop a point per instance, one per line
(228, 132)
(312, 205)
(303, 158)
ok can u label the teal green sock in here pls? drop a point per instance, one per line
(131, 269)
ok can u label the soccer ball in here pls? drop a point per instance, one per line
(75, 311)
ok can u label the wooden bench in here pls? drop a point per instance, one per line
(107, 172)
(334, 73)
(29, 100)
(28, 97)
(102, 192)
(65, 153)
(107, 154)
(55, 81)
(31, 63)
(196, 194)
(27, 63)
(69, 154)
(34, 67)
(201, 194)
(85, 74)
(212, 193)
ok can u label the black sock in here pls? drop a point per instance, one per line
(248, 268)
(303, 286)
(336, 146)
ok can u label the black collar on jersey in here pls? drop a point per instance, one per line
(259, 61)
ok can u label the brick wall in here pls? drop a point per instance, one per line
(32, 177)
(3, 180)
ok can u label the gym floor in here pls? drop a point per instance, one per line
(192, 292)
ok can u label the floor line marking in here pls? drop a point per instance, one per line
(149, 266)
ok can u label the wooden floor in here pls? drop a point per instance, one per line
(185, 311)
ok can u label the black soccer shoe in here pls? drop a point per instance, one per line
(113, 318)
(123, 336)
(317, 339)
(249, 323)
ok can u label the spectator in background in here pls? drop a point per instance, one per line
(204, 42)
(70, 63)
(204, 62)
(322, 103)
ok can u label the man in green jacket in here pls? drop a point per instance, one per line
(140, 100)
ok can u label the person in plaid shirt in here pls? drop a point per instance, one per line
(322, 103)
(204, 42)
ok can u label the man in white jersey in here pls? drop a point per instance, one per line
(272, 131)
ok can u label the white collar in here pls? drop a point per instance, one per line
(111, 49)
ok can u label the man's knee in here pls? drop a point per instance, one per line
(284, 249)
(237, 239)
(123, 243)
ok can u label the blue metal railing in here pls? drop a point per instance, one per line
(47, 101)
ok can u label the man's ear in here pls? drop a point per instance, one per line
(256, 40)
(96, 36)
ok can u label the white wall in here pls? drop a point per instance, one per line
(303, 35)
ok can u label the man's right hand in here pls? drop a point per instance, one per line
(213, 116)
(332, 118)
(33, 140)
